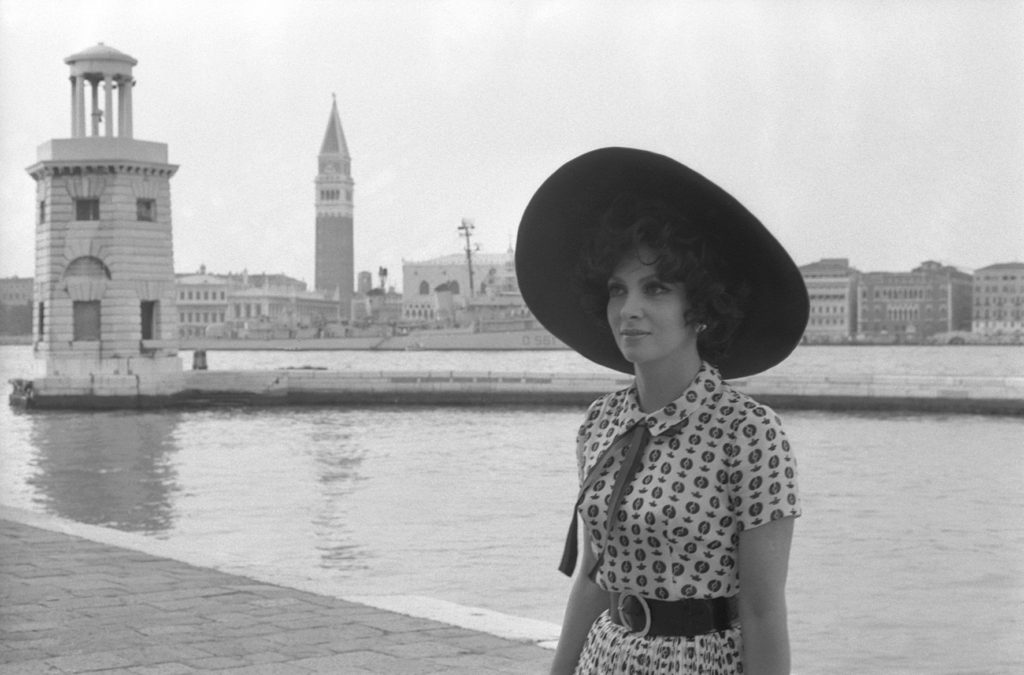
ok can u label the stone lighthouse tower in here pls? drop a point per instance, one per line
(104, 282)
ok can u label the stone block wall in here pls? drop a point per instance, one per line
(129, 261)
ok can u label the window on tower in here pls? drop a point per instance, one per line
(148, 310)
(86, 320)
(145, 209)
(87, 209)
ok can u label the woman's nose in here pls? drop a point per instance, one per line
(631, 307)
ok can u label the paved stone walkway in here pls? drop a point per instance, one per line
(70, 605)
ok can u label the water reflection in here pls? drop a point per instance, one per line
(338, 456)
(112, 469)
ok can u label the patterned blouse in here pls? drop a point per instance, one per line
(717, 463)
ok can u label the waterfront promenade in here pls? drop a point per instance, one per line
(72, 605)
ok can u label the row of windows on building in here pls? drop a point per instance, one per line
(988, 276)
(244, 310)
(999, 289)
(430, 312)
(334, 195)
(201, 317)
(898, 293)
(89, 209)
(1000, 301)
(1014, 315)
(903, 313)
(879, 310)
(889, 326)
(204, 295)
(418, 313)
(15, 298)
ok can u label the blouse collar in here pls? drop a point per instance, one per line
(701, 389)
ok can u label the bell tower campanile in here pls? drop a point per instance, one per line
(335, 264)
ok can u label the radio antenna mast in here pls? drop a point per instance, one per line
(466, 229)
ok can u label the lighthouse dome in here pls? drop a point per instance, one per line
(100, 52)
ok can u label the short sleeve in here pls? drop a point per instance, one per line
(763, 475)
(584, 435)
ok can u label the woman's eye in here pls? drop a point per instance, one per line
(615, 290)
(656, 288)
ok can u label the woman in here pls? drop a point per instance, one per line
(687, 485)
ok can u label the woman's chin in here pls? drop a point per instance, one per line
(633, 355)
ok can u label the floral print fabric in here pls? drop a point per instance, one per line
(718, 463)
(612, 649)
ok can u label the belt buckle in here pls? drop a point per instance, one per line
(628, 602)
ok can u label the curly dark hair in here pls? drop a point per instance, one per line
(715, 294)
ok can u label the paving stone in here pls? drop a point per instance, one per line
(479, 642)
(92, 661)
(422, 650)
(373, 662)
(28, 667)
(69, 605)
(163, 669)
(216, 662)
(325, 635)
(268, 669)
(258, 658)
(242, 647)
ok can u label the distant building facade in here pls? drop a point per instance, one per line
(334, 257)
(250, 306)
(909, 307)
(16, 306)
(832, 289)
(276, 311)
(999, 300)
(438, 289)
(202, 302)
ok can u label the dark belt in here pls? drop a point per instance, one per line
(672, 618)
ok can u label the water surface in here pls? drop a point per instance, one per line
(909, 556)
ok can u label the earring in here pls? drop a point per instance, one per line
(701, 327)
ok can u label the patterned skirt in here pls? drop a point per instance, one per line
(610, 648)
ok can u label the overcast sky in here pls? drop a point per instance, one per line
(885, 132)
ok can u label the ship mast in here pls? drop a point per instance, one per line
(466, 229)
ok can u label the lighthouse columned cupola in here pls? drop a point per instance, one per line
(96, 68)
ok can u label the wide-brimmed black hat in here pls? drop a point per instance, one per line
(564, 212)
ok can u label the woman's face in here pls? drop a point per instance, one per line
(646, 314)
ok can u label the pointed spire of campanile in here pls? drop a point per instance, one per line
(334, 138)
